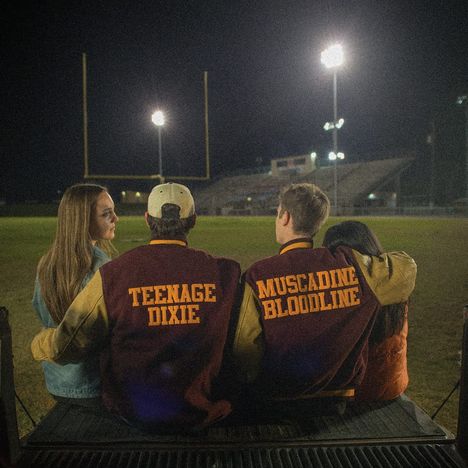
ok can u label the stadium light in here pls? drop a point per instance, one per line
(332, 125)
(332, 156)
(158, 119)
(313, 155)
(332, 58)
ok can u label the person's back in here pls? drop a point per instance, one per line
(79, 381)
(169, 314)
(386, 375)
(317, 311)
(159, 315)
(307, 313)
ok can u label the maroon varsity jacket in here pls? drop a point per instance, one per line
(168, 309)
(307, 314)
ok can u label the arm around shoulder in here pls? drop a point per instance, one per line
(391, 276)
(82, 330)
(248, 341)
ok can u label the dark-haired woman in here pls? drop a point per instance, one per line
(386, 375)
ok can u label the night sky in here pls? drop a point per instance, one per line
(269, 95)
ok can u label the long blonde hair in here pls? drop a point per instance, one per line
(62, 269)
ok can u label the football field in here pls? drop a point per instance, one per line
(439, 246)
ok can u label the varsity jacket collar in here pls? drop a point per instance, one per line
(180, 242)
(301, 243)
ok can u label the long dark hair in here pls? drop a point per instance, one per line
(391, 318)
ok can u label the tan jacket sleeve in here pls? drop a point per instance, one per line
(248, 341)
(391, 276)
(83, 329)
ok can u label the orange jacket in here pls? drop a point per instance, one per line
(386, 375)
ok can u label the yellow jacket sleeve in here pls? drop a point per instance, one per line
(248, 341)
(83, 329)
(391, 276)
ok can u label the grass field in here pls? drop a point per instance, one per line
(439, 247)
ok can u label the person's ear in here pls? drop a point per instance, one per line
(146, 218)
(285, 218)
(191, 221)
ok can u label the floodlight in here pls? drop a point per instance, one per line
(158, 118)
(328, 126)
(340, 123)
(333, 56)
(331, 156)
(313, 155)
(340, 155)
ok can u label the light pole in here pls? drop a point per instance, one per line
(158, 120)
(333, 58)
(463, 101)
(431, 141)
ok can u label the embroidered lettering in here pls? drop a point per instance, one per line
(307, 293)
(173, 304)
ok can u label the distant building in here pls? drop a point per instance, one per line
(294, 165)
(386, 199)
(130, 196)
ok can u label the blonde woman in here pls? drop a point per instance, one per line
(85, 228)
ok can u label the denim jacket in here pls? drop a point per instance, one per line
(79, 380)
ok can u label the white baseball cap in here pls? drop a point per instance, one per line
(175, 194)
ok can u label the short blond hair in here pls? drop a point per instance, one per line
(308, 206)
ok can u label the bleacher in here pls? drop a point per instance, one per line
(258, 193)
(227, 192)
(358, 180)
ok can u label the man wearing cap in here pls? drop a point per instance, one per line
(307, 312)
(159, 315)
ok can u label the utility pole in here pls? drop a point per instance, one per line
(432, 139)
(85, 114)
(463, 100)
